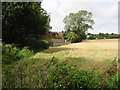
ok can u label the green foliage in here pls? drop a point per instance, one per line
(65, 34)
(67, 76)
(100, 38)
(113, 68)
(38, 45)
(11, 53)
(23, 22)
(45, 44)
(114, 81)
(30, 73)
(79, 23)
(103, 36)
(114, 76)
(26, 74)
(72, 37)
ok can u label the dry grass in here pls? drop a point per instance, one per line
(86, 55)
(95, 49)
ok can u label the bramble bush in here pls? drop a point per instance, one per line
(67, 76)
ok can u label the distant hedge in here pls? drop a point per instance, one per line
(103, 36)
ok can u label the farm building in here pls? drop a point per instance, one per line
(88, 36)
(54, 37)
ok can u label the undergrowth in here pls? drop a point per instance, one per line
(56, 74)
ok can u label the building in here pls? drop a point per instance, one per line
(54, 38)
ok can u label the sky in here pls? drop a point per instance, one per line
(105, 13)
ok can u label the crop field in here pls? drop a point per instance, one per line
(64, 64)
(88, 54)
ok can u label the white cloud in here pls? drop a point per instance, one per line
(105, 13)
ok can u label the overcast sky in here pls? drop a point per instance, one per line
(105, 13)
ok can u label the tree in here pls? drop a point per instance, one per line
(79, 23)
(23, 22)
(65, 34)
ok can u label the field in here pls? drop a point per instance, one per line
(65, 65)
(86, 55)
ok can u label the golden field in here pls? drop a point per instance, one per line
(88, 54)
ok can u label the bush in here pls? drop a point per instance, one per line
(39, 44)
(113, 82)
(100, 38)
(112, 70)
(114, 78)
(11, 53)
(67, 76)
(72, 37)
(44, 44)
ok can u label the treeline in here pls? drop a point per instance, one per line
(102, 36)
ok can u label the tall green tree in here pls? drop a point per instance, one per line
(23, 22)
(79, 23)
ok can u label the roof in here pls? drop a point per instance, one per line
(57, 35)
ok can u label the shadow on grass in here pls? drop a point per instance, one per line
(57, 49)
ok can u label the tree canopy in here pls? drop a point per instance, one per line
(79, 23)
(23, 22)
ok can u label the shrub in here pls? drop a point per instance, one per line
(114, 76)
(39, 44)
(112, 70)
(72, 37)
(11, 53)
(100, 37)
(113, 82)
(67, 76)
(44, 44)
